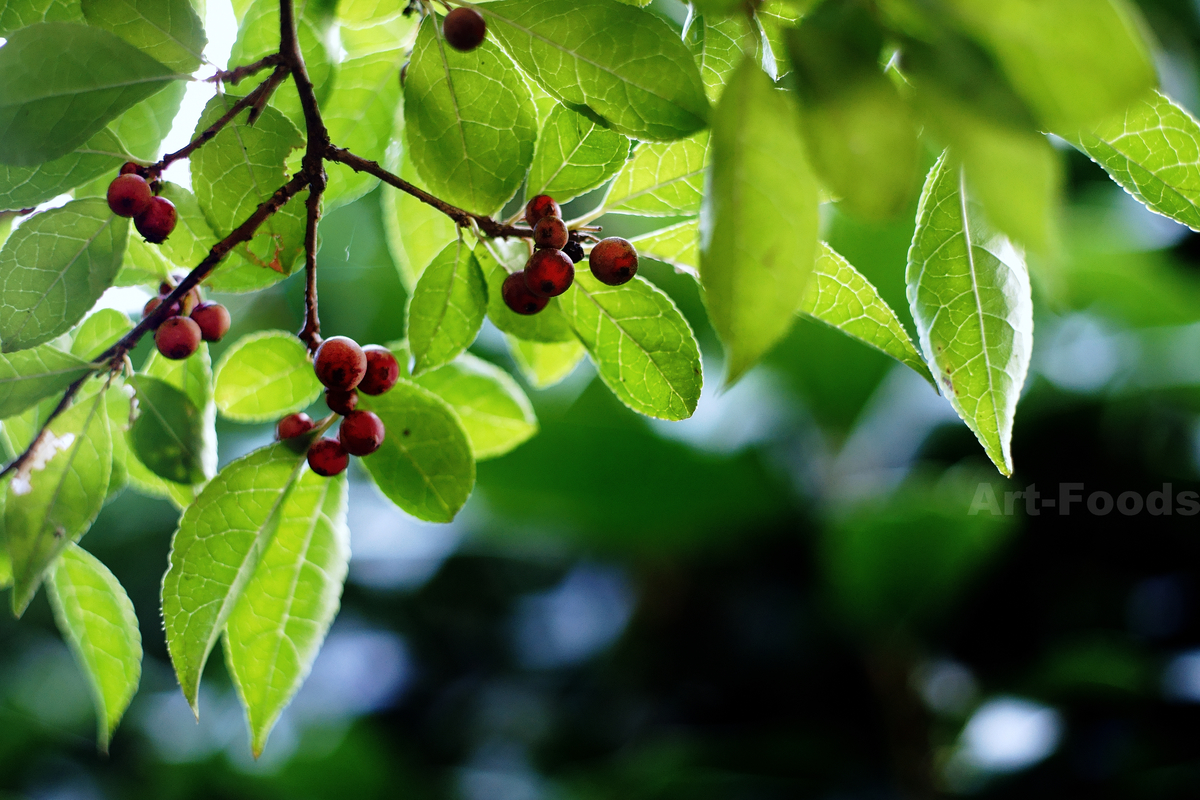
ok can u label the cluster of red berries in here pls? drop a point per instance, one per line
(131, 195)
(550, 271)
(464, 29)
(346, 369)
(190, 321)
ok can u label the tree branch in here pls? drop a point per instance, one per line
(233, 76)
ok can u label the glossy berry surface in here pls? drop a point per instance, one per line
(541, 206)
(341, 402)
(550, 233)
(213, 319)
(549, 273)
(613, 261)
(294, 425)
(361, 433)
(177, 337)
(340, 363)
(383, 370)
(574, 251)
(156, 222)
(327, 458)
(517, 296)
(464, 29)
(129, 195)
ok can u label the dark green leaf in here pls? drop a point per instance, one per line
(167, 30)
(168, 433)
(26, 187)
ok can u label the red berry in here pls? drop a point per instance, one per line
(549, 273)
(177, 337)
(464, 29)
(156, 222)
(213, 319)
(130, 168)
(294, 425)
(613, 261)
(550, 233)
(165, 288)
(517, 296)
(541, 206)
(361, 433)
(129, 195)
(327, 457)
(340, 363)
(341, 402)
(155, 302)
(382, 370)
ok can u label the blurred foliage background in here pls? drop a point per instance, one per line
(785, 596)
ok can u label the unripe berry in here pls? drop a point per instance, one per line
(549, 273)
(213, 319)
(517, 296)
(361, 433)
(129, 195)
(550, 233)
(340, 363)
(341, 402)
(130, 168)
(541, 206)
(613, 261)
(574, 251)
(294, 425)
(383, 370)
(177, 337)
(327, 458)
(156, 222)
(464, 29)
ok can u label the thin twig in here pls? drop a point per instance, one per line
(233, 76)
(310, 334)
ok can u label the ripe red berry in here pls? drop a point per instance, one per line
(213, 319)
(177, 337)
(541, 206)
(294, 425)
(550, 233)
(517, 296)
(464, 29)
(613, 261)
(130, 168)
(129, 195)
(341, 402)
(549, 273)
(340, 363)
(382, 370)
(156, 222)
(361, 433)
(327, 457)
(574, 251)
(155, 302)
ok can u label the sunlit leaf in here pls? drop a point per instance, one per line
(265, 376)
(574, 155)
(545, 326)
(447, 307)
(28, 376)
(544, 365)
(167, 30)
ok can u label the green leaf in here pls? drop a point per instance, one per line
(100, 330)
(15, 14)
(758, 227)
(642, 346)
(282, 616)
(661, 180)
(416, 232)
(841, 297)
(544, 365)
(605, 60)
(1075, 61)
(240, 168)
(166, 30)
(574, 155)
(447, 308)
(1153, 151)
(97, 620)
(361, 116)
(61, 83)
(119, 408)
(425, 465)
(265, 376)
(142, 128)
(969, 293)
(216, 550)
(144, 265)
(677, 245)
(547, 326)
(54, 500)
(5, 564)
(470, 123)
(168, 433)
(192, 238)
(367, 27)
(495, 413)
(26, 187)
(258, 36)
(28, 376)
(718, 45)
(54, 268)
